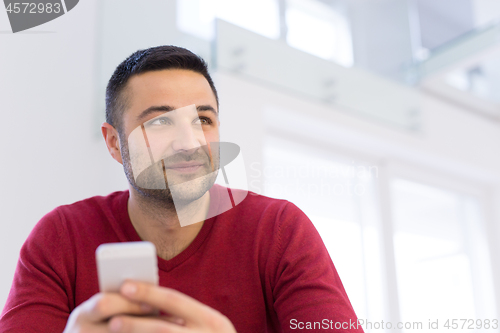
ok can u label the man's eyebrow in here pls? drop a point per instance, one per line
(167, 108)
(206, 108)
(154, 109)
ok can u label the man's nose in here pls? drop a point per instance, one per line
(187, 137)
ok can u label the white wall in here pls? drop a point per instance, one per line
(452, 141)
(486, 11)
(50, 154)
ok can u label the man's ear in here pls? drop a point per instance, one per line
(112, 140)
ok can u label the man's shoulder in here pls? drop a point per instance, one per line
(111, 201)
(78, 221)
(251, 207)
(243, 199)
(87, 212)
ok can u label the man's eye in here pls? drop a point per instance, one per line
(159, 122)
(203, 121)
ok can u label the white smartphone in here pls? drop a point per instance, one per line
(117, 262)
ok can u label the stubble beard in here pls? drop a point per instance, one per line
(182, 193)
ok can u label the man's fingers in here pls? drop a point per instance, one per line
(173, 319)
(102, 306)
(125, 324)
(170, 301)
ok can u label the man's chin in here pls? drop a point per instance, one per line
(163, 196)
(179, 194)
(187, 192)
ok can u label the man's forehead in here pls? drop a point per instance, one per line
(155, 109)
(167, 90)
(166, 78)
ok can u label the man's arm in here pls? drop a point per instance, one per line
(307, 287)
(38, 300)
(41, 298)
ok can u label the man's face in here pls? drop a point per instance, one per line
(170, 121)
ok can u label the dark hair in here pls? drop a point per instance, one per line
(152, 59)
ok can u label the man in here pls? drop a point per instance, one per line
(257, 267)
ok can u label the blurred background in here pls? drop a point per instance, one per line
(380, 119)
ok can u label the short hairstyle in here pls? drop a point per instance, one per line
(152, 59)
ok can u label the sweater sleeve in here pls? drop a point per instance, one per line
(39, 300)
(308, 293)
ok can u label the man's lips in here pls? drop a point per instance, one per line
(185, 166)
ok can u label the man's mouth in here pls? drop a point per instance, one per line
(185, 167)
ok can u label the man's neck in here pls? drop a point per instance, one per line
(160, 224)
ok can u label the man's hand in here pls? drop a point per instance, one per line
(134, 309)
(93, 314)
(187, 314)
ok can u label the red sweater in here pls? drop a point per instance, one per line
(262, 264)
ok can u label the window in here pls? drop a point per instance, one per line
(337, 194)
(197, 17)
(440, 260)
(319, 29)
(443, 270)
